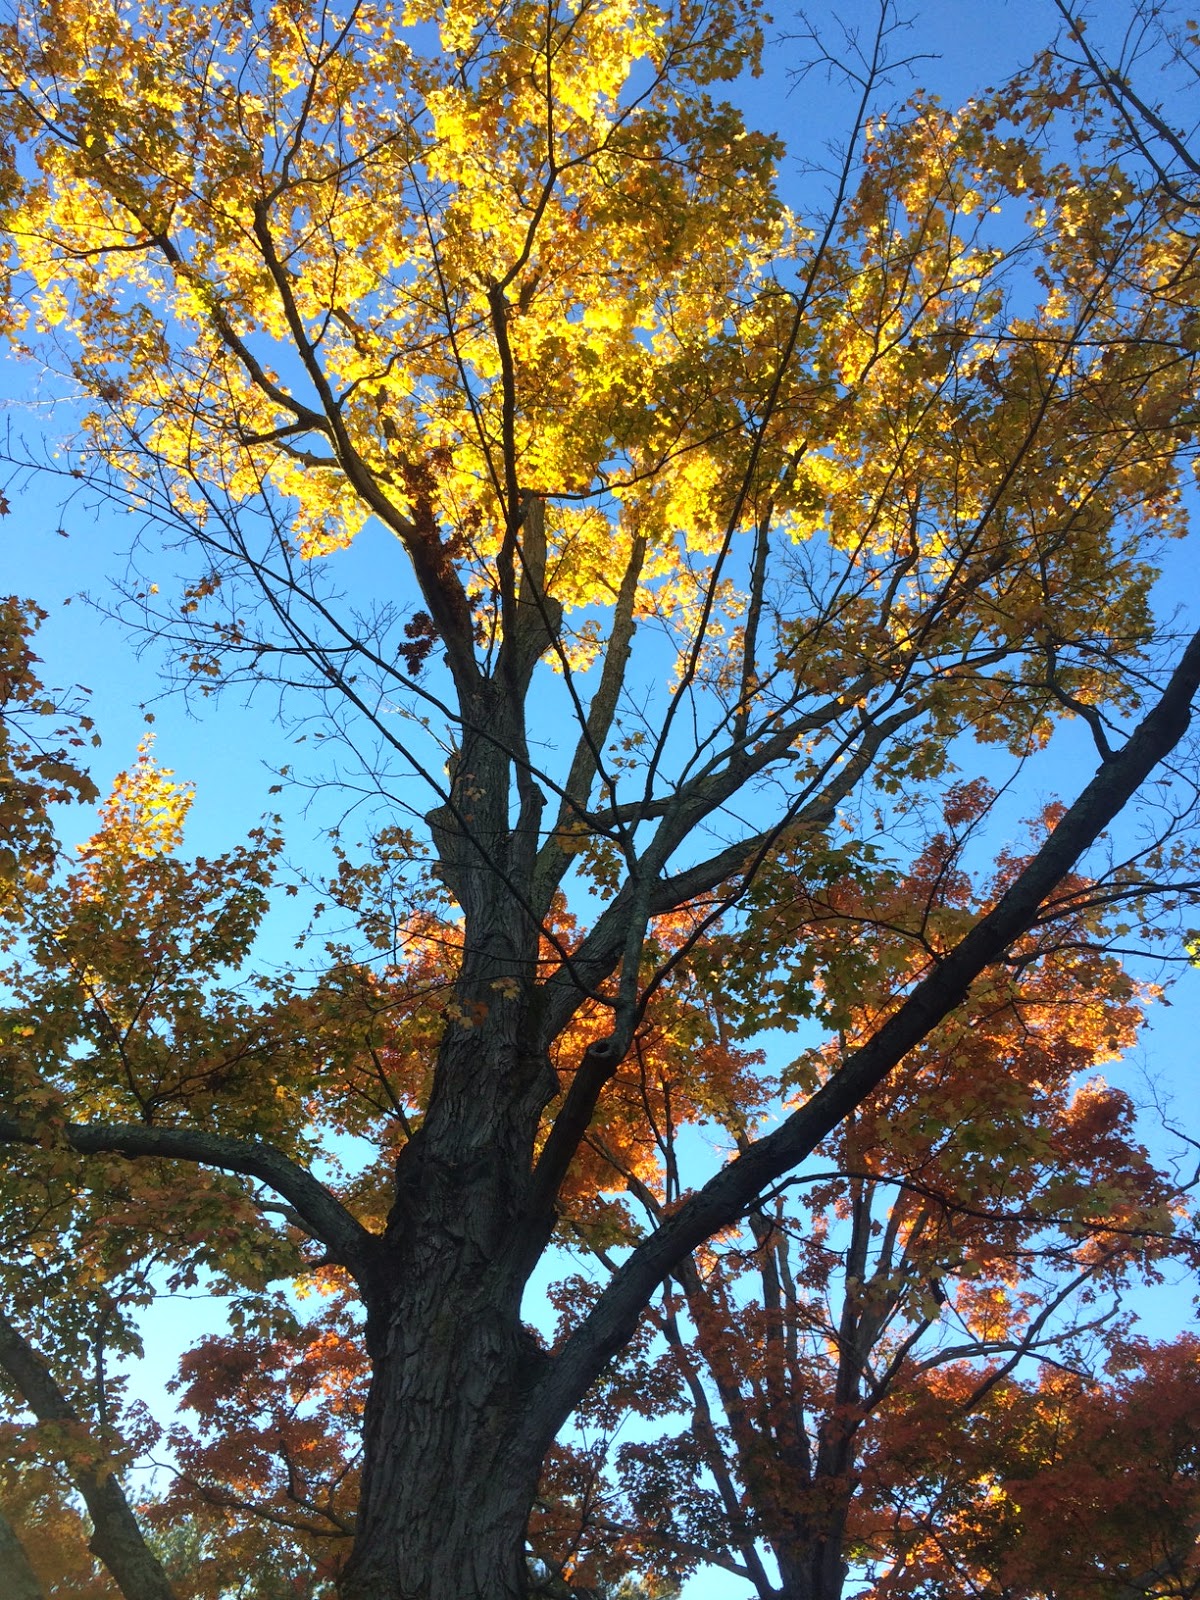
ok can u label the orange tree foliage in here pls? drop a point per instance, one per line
(838, 1378)
(44, 1543)
(1059, 1487)
(981, 1212)
(708, 539)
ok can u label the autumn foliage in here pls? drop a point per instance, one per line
(679, 1138)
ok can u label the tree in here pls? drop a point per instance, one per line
(719, 536)
(1063, 1487)
(984, 1209)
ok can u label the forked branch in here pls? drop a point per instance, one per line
(732, 1192)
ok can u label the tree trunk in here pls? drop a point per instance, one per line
(820, 1575)
(811, 1560)
(444, 1507)
(447, 1488)
(444, 1501)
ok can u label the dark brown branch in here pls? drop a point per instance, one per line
(22, 1580)
(1126, 101)
(601, 950)
(439, 583)
(588, 760)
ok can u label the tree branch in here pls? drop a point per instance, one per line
(14, 1563)
(116, 1539)
(731, 1192)
(323, 1216)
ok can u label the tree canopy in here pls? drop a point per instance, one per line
(737, 561)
